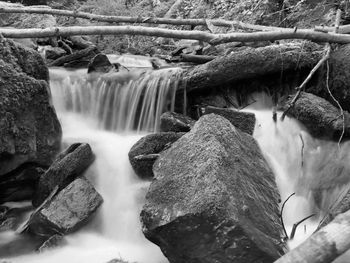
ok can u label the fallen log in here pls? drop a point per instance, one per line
(252, 63)
(198, 59)
(87, 52)
(142, 20)
(323, 246)
(213, 39)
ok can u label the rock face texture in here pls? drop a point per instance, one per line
(66, 211)
(175, 122)
(67, 166)
(29, 128)
(143, 154)
(320, 117)
(214, 198)
(245, 121)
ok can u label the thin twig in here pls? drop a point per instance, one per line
(302, 150)
(281, 214)
(340, 107)
(292, 234)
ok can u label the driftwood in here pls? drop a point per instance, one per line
(252, 63)
(213, 39)
(198, 59)
(323, 246)
(75, 56)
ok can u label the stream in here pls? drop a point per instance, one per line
(105, 114)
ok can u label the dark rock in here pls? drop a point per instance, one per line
(100, 63)
(29, 128)
(12, 218)
(149, 145)
(54, 52)
(245, 121)
(66, 211)
(175, 122)
(214, 198)
(67, 166)
(51, 242)
(321, 118)
(8, 224)
(20, 183)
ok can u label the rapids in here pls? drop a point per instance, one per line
(112, 116)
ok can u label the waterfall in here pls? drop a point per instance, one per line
(121, 101)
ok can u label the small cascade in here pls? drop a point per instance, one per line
(121, 101)
(317, 171)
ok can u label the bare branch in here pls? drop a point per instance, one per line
(294, 229)
(281, 215)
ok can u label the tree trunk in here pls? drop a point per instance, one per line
(325, 245)
(252, 63)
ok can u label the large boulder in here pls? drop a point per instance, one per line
(29, 128)
(67, 166)
(245, 121)
(175, 122)
(143, 153)
(214, 198)
(320, 117)
(66, 211)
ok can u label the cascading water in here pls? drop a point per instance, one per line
(317, 171)
(93, 109)
(121, 101)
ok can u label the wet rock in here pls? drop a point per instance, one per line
(20, 183)
(100, 63)
(320, 117)
(29, 128)
(214, 198)
(12, 218)
(245, 121)
(67, 211)
(66, 167)
(54, 52)
(50, 243)
(143, 154)
(175, 122)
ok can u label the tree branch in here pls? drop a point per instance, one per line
(295, 226)
(213, 39)
(281, 215)
(141, 20)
